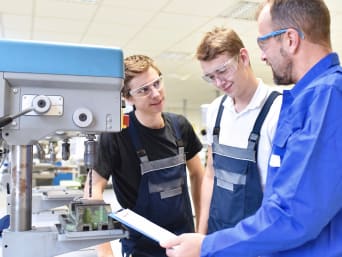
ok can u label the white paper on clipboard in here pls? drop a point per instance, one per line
(142, 225)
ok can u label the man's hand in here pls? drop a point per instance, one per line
(185, 245)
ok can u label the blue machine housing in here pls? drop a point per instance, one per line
(66, 59)
(65, 77)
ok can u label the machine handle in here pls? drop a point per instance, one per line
(5, 120)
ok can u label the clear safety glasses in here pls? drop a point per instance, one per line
(147, 88)
(223, 71)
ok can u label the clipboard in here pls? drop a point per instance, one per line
(141, 225)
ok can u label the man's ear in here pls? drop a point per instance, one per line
(292, 39)
(244, 56)
(128, 101)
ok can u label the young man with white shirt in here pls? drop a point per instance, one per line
(239, 144)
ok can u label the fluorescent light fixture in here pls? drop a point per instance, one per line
(182, 77)
(79, 1)
(175, 56)
(244, 10)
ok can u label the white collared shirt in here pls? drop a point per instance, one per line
(235, 128)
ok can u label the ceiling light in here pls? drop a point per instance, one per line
(182, 77)
(175, 56)
(242, 10)
(79, 1)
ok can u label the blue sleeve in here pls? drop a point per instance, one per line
(303, 194)
(4, 223)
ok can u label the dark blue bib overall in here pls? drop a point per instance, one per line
(163, 196)
(237, 191)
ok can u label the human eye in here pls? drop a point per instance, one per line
(261, 44)
(156, 84)
(222, 70)
(143, 90)
(210, 76)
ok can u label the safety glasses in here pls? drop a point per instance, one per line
(224, 70)
(147, 88)
(262, 39)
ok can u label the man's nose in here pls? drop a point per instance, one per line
(154, 91)
(218, 81)
(263, 56)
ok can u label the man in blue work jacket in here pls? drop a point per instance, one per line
(301, 213)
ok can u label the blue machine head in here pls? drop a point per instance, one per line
(71, 89)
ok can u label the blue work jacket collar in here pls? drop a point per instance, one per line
(324, 64)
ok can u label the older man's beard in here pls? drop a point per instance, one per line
(284, 77)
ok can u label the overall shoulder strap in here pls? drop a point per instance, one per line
(255, 134)
(133, 132)
(216, 130)
(176, 128)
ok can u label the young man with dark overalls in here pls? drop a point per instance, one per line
(147, 161)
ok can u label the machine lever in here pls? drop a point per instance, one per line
(5, 120)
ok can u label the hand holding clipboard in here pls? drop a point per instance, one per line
(142, 225)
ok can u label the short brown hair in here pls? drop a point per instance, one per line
(312, 17)
(218, 41)
(135, 65)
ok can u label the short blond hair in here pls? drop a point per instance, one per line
(218, 41)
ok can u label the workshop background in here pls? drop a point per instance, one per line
(167, 30)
